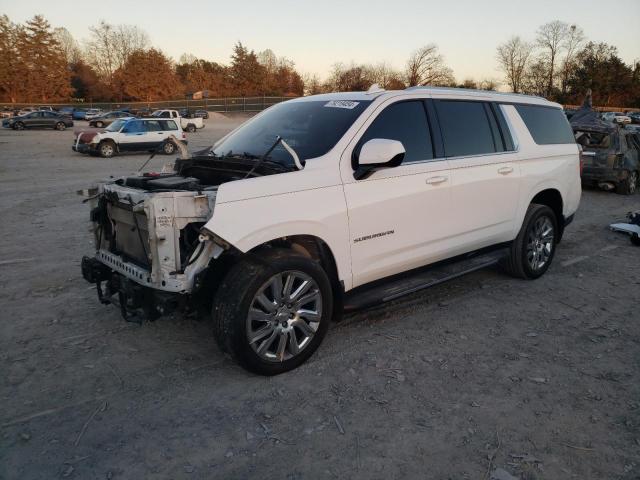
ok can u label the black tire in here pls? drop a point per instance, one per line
(169, 148)
(237, 293)
(517, 262)
(107, 149)
(18, 126)
(99, 124)
(191, 128)
(60, 126)
(629, 185)
(635, 239)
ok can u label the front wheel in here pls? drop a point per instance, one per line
(629, 185)
(271, 312)
(18, 126)
(107, 149)
(532, 251)
(60, 126)
(99, 124)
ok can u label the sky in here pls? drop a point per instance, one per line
(317, 35)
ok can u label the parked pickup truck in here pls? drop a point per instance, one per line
(337, 202)
(188, 124)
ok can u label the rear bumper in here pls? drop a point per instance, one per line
(594, 175)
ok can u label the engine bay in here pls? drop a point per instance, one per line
(202, 173)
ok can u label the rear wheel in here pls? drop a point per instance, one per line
(533, 249)
(629, 185)
(169, 148)
(60, 126)
(271, 313)
(107, 149)
(99, 124)
(191, 128)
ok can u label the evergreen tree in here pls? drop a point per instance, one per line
(47, 76)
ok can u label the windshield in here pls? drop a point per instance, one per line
(311, 128)
(115, 126)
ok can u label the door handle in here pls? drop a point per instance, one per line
(436, 180)
(505, 170)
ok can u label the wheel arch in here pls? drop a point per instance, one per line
(552, 198)
(310, 246)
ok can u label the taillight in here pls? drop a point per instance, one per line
(184, 135)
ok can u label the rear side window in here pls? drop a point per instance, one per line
(168, 125)
(407, 123)
(548, 126)
(466, 128)
(153, 125)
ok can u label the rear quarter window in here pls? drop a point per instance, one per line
(168, 125)
(547, 125)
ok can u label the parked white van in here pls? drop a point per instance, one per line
(337, 202)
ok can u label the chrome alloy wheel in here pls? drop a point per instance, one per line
(540, 243)
(284, 315)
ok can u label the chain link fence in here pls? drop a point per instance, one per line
(223, 105)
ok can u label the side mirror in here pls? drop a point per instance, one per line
(377, 154)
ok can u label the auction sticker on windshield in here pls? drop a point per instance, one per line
(342, 104)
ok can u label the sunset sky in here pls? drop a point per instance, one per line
(467, 31)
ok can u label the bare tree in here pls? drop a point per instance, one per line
(426, 67)
(551, 38)
(187, 59)
(513, 57)
(572, 43)
(535, 80)
(312, 85)
(386, 76)
(111, 45)
(68, 44)
(489, 84)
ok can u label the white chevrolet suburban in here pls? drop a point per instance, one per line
(337, 202)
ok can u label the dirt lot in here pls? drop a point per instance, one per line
(540, 378)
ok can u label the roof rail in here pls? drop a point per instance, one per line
(456, 89)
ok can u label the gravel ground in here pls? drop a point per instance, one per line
(539, 379)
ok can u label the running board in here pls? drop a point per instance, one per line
(413, 281)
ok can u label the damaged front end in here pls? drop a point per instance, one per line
(149, 248)
(152, 253)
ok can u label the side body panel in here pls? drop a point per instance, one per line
(251, 212)
(544, 167)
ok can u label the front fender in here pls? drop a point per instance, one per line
(319, 212)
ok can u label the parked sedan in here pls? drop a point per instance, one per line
(38, 120)
(107, 119)
(634, 116)
(616, 117)
(93, 113)
(79, 114)
(201, 114)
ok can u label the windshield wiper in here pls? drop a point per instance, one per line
(262, 159)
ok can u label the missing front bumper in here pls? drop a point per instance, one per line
(136, 302)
